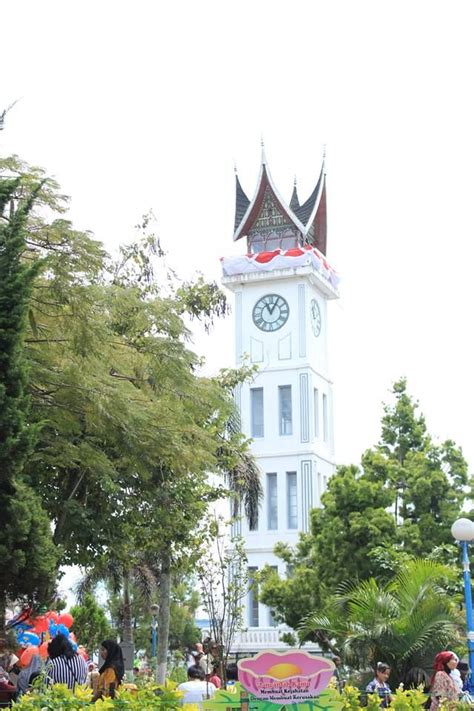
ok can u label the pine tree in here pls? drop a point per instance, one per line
(26, 551)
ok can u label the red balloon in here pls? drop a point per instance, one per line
(41, 624)
(28, 655)
(51, 615)
(65, 619)
(43, 650)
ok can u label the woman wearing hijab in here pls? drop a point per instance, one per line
(111, 671)
(443, 687)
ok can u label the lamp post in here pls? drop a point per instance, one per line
(463, 531)
(154, 628)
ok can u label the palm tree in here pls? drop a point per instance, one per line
(120, 577)
(404, 623)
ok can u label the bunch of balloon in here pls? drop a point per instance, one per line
(35, 633)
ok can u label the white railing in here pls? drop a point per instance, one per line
(260, 638)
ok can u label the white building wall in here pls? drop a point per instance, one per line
(291, 355)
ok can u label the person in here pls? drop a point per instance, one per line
(443, 686)
(196, 688)
(28, 674)
(111, 671)
(455, 674)
(232, 674)
(65, 666)
(92, 677)
(5, 683)
(379, 685)
(214, 678)
(7, 658)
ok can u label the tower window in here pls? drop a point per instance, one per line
(325, 417)
(284, 399)
(272, 501)
(292, 499)
(316, 412)
(252, 600)
(256, 412)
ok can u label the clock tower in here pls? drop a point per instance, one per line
(282, 288)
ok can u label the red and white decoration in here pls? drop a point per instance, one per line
(280, 259)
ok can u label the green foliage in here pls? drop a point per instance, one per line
(90, 623)
(60, 697)
(404, 622)
(122, 432)
(26, 550)
(398, 505)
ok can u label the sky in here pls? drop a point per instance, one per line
(147, 104)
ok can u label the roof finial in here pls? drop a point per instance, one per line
(324, 151)
(295, 182)
(235, 167)
(264, 158)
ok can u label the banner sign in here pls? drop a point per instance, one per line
(272, 679)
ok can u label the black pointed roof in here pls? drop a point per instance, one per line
(295, 201)
(241, 202)
(305, 211)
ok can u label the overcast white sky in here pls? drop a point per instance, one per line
(148, 104)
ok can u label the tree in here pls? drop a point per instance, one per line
(223, 578)
(430, 481)
(26, 550)
(404, 623)
(128, 431)
(354, 520)
(403, 499)
(91, 624)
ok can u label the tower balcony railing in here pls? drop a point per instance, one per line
(257, 639)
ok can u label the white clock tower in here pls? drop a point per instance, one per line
(282, 288)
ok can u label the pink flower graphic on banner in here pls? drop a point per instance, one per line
(285, 676)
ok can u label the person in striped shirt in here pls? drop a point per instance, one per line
(65, 666)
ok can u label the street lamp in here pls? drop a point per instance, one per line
(154, 627)
(463, 531)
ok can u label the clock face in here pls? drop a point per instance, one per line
(270, 312)
(315, 317)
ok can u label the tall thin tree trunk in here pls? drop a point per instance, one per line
(164, 601)
(127, 630)
(3, 611)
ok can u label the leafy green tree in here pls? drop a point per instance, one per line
(90, 626)
(404, 622)
(26, 551)
(401, 502)
(430, 481)
(354, 520)
(128, 431)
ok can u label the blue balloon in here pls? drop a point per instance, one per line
(62, 629)
(21, 627)
(52, 628)
(74, 646)
(31, 638)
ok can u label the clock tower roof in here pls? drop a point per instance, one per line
(267, 212)
(241, 202)
(295, 201)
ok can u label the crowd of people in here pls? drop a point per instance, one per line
(447, 684)
(205, 674)
(64, 665)
(67, 666)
